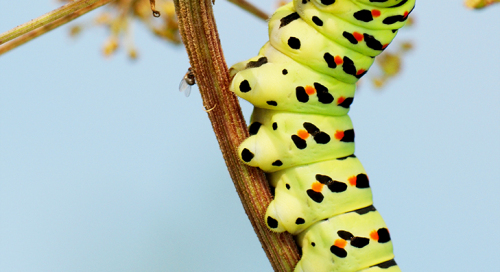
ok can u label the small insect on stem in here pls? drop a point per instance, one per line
(187, 81)
(155, 12)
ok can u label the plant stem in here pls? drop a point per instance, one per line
(199, 34)
(47, 18)
(250, 8)
(479, 4)
(50, 26)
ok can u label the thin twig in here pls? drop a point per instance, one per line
(46, 19)
(48, 27)
(153, 8)
(199, 34)
(479, 4)
(251, 8)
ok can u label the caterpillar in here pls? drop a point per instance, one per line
(302, 84)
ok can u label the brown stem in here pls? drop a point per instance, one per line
(250, 8)
(45, 19)
(50, 26)
(199, 33)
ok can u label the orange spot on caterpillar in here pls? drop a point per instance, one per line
(358, 36)
(352, 180)
(303, 134)
(310, 90)
(339, 134)
(340, 100)
(375, 12)
(341, 243)
(338, 60)
(360, 71)
(374, 235)
(317, 187)
(405, 14)
(385, 45)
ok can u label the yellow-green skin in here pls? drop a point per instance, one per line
(302, 84)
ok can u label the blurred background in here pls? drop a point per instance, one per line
(105, 166)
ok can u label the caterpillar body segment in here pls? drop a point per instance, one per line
(352, 241)
(367, 14)
(301, 42)
(351, 36)
(309, 193)
(282, 140)
(297, 87)
(302, 84)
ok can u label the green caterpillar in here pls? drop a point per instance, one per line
(302, 84)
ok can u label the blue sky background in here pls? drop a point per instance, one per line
(105, 166)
